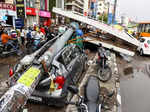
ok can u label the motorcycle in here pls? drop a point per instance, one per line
(34, 44)
(6, 50)
(104, 71)
(91, 102)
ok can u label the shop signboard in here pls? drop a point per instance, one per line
(20, 7)
(7, 6)
(31, 11)
(45, 14)
(19, 23)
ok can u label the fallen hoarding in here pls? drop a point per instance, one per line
(109, 46)
(97, 24)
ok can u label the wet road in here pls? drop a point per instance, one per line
(135, 87)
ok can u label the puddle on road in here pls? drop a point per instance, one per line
(135, 92)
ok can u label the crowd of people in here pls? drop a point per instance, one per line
(8, 36)
(24, 36)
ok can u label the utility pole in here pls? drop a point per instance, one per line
(115, 5)
(108, 7)
(37, 11)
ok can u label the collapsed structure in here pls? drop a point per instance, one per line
(16, 97)
(114, 33)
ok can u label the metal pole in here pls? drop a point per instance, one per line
(37, 11)
(16, 97)
(108, 11)
(115, 5)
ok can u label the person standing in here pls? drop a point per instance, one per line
(22, 35)
(42, 30)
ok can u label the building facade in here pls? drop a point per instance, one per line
(8, 12)
(76, 6)
(37, 12)
(102, 6)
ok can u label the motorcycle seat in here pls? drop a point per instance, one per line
(92, 92)
(93, 106)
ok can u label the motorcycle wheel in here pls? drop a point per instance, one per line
(29, 48)
(104, 74)
(1, 49)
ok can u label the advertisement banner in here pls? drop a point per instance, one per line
(20, 7)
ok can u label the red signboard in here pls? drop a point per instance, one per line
(31, 11)
(7, 6)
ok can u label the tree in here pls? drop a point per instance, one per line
(52, 3)
(103, 17)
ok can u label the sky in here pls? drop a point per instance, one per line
(138, 10)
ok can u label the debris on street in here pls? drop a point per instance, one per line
(109, 88)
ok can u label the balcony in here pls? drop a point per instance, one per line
(74, 4)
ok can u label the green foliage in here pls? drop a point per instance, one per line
(103, 18)
(52, 3)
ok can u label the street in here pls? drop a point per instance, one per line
(135, 87)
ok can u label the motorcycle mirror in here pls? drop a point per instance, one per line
(73, 89)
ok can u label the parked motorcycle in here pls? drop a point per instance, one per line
(104, 71)
(91, 102)
(6, 50)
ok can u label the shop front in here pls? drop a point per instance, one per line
(44, 17)
(31, 16)
(8, 13)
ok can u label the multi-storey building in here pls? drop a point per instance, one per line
(102, 6)
(37, 12)
(75, 6)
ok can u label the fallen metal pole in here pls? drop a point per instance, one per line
(16, 97)
(56, 47)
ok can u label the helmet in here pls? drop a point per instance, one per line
(79, 32)
(75, 25)
(62, 29)
(100, 45)
(5, 31)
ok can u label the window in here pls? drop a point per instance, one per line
(28, 3)
(142, 29)
(42, 4)
(59, 4)
(147, 29)
(142, 40)
(66, 56)
(148, 41)
(32, 3)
